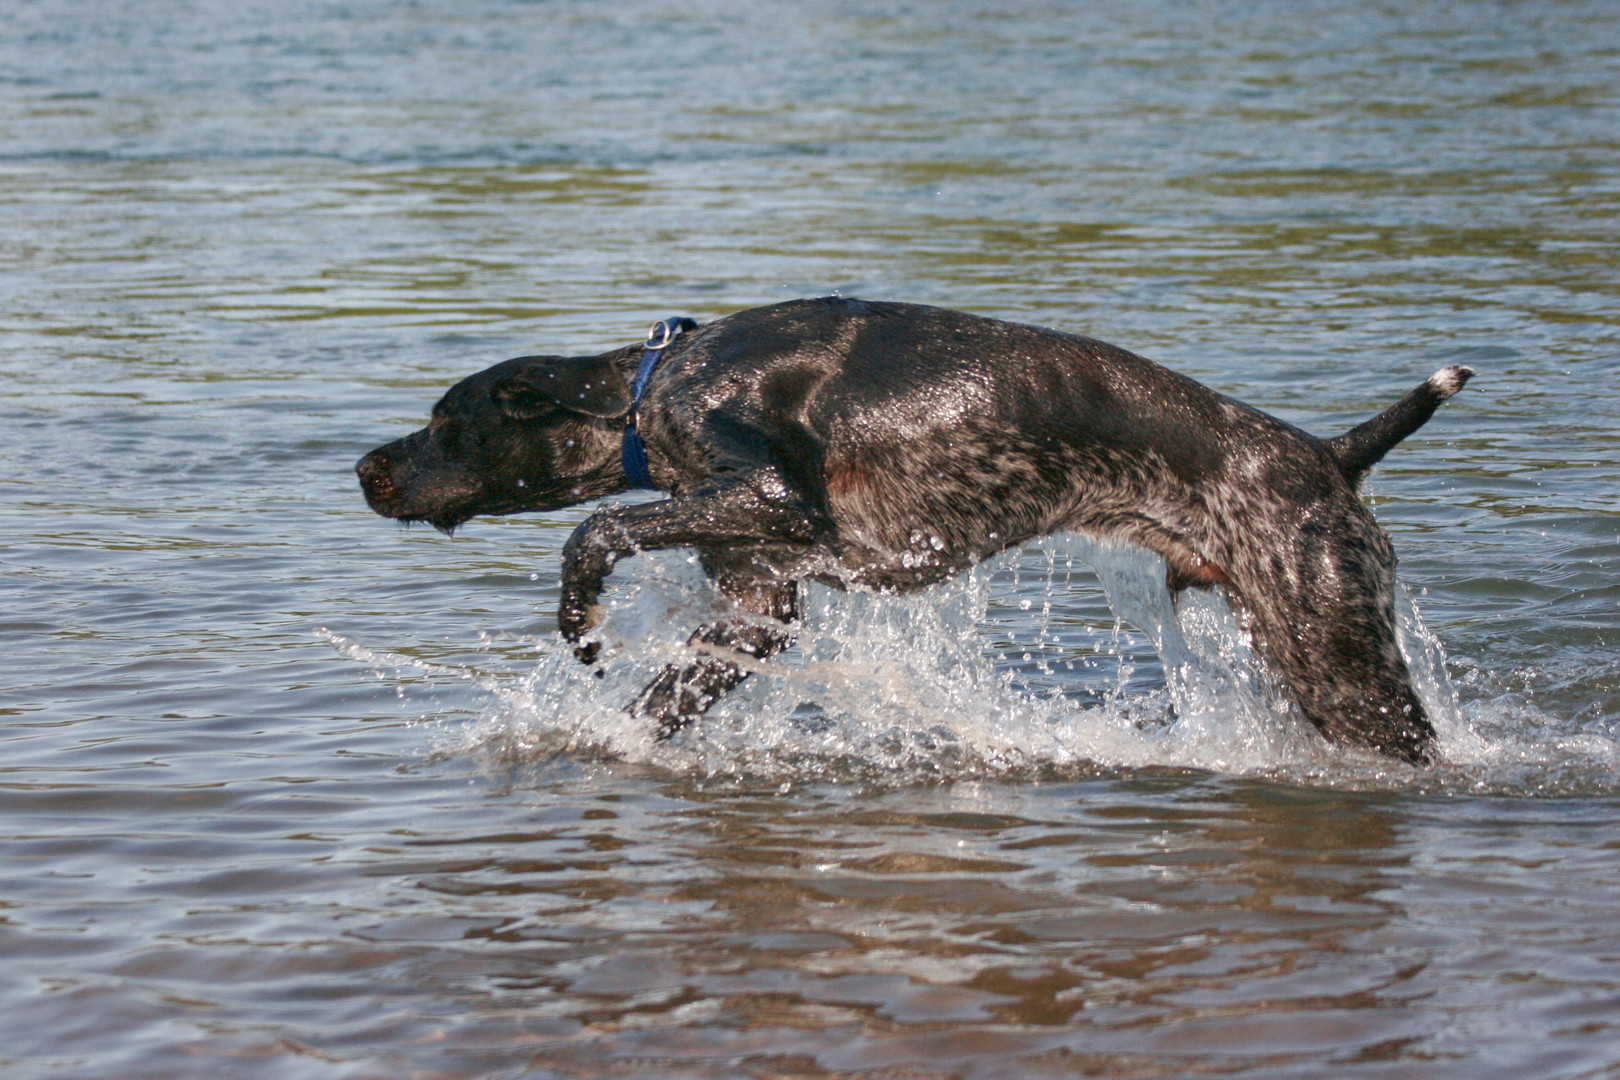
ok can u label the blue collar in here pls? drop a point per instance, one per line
(663, 335)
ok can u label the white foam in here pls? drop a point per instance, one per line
(908, 687)
(944, 685)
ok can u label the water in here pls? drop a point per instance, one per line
(289, 791)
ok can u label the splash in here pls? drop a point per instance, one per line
(1502, 744)
(1066, 659)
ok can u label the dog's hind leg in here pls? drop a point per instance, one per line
(1321, 607)
(1355, 688)
(683, 692)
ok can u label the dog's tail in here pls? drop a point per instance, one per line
(1360, 448)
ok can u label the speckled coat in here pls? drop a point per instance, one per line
(887, 446)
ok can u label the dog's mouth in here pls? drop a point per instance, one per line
(446, 521)
(445, 507)
(445, 518)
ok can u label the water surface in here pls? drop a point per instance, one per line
(290, 791)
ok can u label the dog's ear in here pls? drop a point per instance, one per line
(587, 385)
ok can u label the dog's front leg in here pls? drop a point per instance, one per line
(683, 692)
(760, 512)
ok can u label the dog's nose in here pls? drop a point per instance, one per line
(374, 478)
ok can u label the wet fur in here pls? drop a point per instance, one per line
(889, 446)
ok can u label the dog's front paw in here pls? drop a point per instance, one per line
(578, 614)
(587, 559)
(578, 622)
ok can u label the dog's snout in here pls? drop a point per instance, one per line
(375, 479)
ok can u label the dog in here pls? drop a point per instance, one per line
(888, 446)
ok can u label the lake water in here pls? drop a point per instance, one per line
(287, 790)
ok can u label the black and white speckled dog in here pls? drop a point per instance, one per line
(889, 445)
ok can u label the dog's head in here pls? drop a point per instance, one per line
(534, 433)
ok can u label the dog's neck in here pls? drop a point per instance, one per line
(633, 452)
